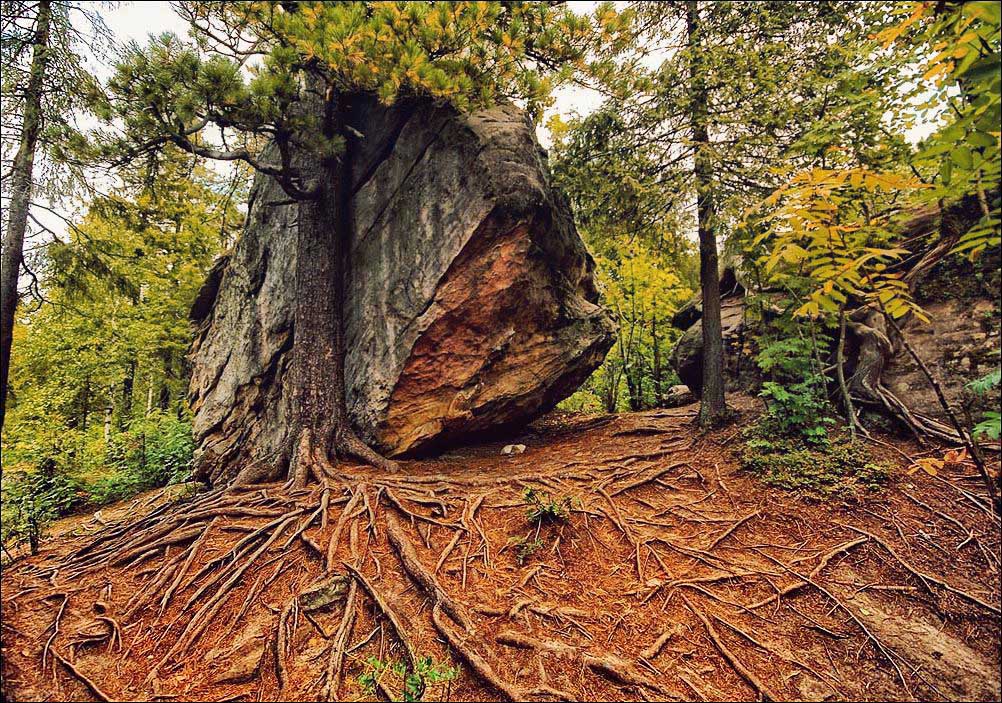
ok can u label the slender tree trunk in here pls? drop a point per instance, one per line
(850, 411)
(149, 396)
(610, 396)
(85, 410)
(659, 393)
(636, 391)
(712, 407)
(21, 175)
(163, 400)
(128, 386)
(109, 410)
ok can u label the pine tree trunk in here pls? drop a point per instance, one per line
(659, 393)
(712, 407)
(321, 425)
(22, 171)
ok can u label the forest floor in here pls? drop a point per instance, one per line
(674, 576)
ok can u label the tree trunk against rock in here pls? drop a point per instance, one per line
(712, 405)
(320, 415)
(658, 369)
(22, 171)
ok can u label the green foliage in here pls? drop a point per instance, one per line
(465, 53)
(797, 409)
(414, 684)
(990, 426)
(953, 73)
(646, 267)
(983, 385)
(840, 469)
(795, 393)
(787, 358)
(542, 508)
(31, 501)
(525, 548)
(98, 374)
(155, 451)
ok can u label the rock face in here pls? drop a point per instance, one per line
(471, 304)
(687, 355)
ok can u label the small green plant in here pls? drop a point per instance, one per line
(414, 684)
(795, 397)
(990, 426)
(542, 508)
(798, 409)
(525, 548)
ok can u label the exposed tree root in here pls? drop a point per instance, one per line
(923, 577)
(746, 673)
(288, 593)
(79, 676)
(616, 668)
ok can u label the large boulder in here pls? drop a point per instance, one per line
(687, 354)
(471, 305)
(740, 372)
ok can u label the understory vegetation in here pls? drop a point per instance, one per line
(97, 407)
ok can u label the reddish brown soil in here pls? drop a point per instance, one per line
(667, 542)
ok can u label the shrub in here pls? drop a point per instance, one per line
(796, 397)
(32, 500)
(541, 507)
(413, 684)
(525, 548)
(155, 451)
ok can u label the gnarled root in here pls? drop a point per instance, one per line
(308, 454)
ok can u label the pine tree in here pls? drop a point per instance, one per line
(41, 52)
(312, 62)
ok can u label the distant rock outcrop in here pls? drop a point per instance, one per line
(472, 302)
(687, 355)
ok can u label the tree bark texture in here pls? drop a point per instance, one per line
(22, 172)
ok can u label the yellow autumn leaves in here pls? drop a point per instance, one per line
(822, 227)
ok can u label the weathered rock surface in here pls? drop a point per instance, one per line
(472, 302)
(687, 355)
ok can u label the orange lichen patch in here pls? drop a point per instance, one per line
(665, 573)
